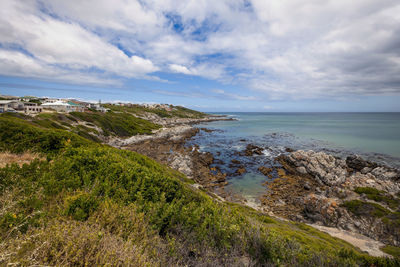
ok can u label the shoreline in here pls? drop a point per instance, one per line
(168, 146)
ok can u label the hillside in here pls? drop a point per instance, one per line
(173, 111)
(79, 202)
(119, 122)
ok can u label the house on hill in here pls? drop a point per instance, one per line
(30, 108)
(11, 105)
(62, 106)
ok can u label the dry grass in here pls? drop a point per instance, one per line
(113, 236)
(72, 243)
(20, 159)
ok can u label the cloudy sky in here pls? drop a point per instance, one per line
(212, 55)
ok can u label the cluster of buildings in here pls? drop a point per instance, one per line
(32, 105)
(17, 105)
(166, 107)
(159, 106)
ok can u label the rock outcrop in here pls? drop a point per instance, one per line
(265, 170)
(325, 168)
(329, 194)
(252, 149)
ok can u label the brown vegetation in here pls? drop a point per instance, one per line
(20, 159)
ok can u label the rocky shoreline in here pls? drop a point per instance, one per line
(350, 195)
(353, 194)
(168, 146)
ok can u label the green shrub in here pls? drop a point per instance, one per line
(379, 196)
(176, 111)
(119, 124)
(392, 250)
(362, 208)
(81, 205)
(18, 136)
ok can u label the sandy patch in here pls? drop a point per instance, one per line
(362, 242)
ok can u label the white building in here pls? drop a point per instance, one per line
(61, 106)
(11, 105)
(52, 100)
(30, 107)
(98, 107)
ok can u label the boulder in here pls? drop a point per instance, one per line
(358, 163)
(325, 168)
(252, 149)
(264, 170)
(301, 170)
(383, 173)
(182, 163)
(235, 161)
(240, 171)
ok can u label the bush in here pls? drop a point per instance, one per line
(119, 124)
(392, 250)
(18, 136)
(379, 196)
(362, 208)
(81, 205)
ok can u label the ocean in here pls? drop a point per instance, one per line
(374, 136)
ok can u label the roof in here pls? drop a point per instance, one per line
(56, 103)
(73, 104)
(8, 101)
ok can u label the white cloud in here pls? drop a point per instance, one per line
(179, 69)
(287, 48)
(53, 46)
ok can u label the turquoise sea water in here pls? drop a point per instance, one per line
(375, 136)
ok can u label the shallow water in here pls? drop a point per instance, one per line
(375, 136)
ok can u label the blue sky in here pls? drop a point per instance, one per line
(288, 55)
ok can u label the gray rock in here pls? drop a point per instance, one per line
(301, 170)
(307, 186)
(383, 173)
(325, 168)
(366, 170)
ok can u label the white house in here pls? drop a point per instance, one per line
(11, 105)
(30, 107)
(61, 106)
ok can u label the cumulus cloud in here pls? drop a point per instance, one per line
(38, 44)
(287, 48)
(179, 69)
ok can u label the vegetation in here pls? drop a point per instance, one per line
(119, 124)
(361, 208)
(83, 203)
(392, 250)
(369, 209)
(175, 111)
(34, 100)
(110, 123)
(379, 196)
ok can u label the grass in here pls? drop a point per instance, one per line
(119, 124)
(392, 250)
(362, 208)
(176, 111)
(110, 123)
(90, 204)
(379, 196)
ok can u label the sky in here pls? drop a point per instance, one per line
(224, 55)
